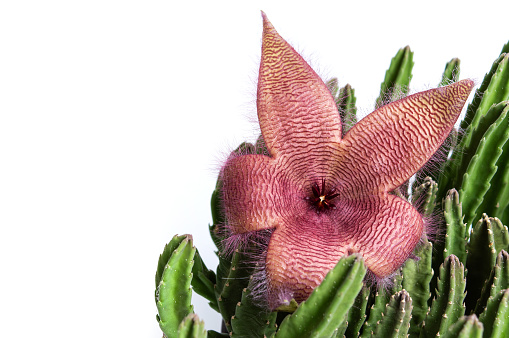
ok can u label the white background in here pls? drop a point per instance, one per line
(116, 115)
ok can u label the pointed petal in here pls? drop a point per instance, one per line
(390, 236)
(295, 108)
(254, 193)
(388, 146)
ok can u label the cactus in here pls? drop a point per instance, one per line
(455, 283)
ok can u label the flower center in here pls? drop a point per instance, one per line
(321, 199)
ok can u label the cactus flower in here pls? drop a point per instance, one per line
(323, 195)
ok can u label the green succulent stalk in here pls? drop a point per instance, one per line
(454, 284)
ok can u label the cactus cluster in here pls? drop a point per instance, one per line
(458, 286)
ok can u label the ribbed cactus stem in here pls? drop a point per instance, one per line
(494, 89)
(481, 258)
(232, 278)
(192, 327)
(465, 327)
(496, 315)
(396, 319)
(455, 231)
(376, 312)
(251, 319)
(424, 196)
(463, 154)
(451, 72)
(357, 313)
(448, 306)
(173, 293)
(482, 167)
(417, 275)
(345, 102)
(397, 78)
(498, 281)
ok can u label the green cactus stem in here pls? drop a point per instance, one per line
(481, 258)
(455, 232)
(417, 275)
(357, 313)
(326, 308)
(447, 307)
(173, 293)
(232, 278)
(465, 327)
(252, 319)
(466, 150)
(496, 315)
(397, 78)
(376, 312)
(482, 167)
(396, 319)
(345, 101)
(425, 195)
(191, 327)
(203, 281)
(494, 89)
(498, 281)
(165, 256)
(451, 72)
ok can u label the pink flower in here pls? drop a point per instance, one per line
(324, 195)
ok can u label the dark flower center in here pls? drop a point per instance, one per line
(321, 199)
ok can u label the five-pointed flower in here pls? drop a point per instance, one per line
(324, 195)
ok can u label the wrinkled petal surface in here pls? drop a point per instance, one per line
(388, 146)
(385, 230)
(308, 163)
(295, 108)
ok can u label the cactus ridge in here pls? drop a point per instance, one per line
(424, 196)
(455, 235)
(493, 89)
(345, 102)
(498, 281)
(494, 317)
(232, 278)
(447, 307)
(451, 72)
(251, 318)
(482, 167)
(462, 155)
(465, 327)
(191, 327)
(416, 281)
(396, 319)
(397, 78)
(173, 293)
(357, 313)
(481, 258)
(381, 298)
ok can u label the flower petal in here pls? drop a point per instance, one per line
(391, 234)
(383, 229)
(295, 108)
(389, 145)
(255, 194)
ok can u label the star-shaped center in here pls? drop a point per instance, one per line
(321, 199)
